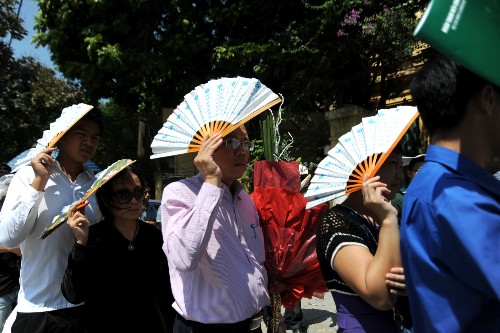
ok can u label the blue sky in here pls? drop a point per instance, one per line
(29, 9)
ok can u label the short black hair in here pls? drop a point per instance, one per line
(415, 160)
(441, 91)
(96, 116)
(5, 169)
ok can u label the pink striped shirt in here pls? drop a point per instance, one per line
(215, 249)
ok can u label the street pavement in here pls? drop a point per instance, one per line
(319, 315)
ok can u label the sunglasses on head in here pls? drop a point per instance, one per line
(125, 196)
(234, 144)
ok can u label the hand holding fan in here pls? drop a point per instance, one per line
(102, 178)
(220, 105)
(69, 116)
(359, 152)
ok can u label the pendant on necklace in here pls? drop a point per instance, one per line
(131, 247)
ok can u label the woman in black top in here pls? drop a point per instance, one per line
(357, 245)
(117, 266)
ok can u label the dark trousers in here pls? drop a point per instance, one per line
(182, 325)
(293, 317)
(57, 321)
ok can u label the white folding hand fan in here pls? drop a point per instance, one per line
(102, 178)
(220, 105)
(69, 116)
(361, 151)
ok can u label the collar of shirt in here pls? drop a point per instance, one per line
(237, 186)
(463, 166)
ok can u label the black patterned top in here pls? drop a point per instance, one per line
(342, 226)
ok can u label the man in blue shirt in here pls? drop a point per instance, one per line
(450, 235)
(148, 209)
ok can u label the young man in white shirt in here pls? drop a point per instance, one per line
(39, 192)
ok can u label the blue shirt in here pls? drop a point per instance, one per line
(450, 244)
(149, 214)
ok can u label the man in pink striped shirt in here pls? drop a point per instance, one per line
(214, 242)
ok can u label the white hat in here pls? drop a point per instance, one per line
(497, 175)
(407, 159)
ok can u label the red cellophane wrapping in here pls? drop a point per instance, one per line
(289, 232)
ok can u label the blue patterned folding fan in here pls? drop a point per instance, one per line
(220, 105)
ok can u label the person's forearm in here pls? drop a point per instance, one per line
(189, 224)
(388, 255)
(19, 213)
(75, 280)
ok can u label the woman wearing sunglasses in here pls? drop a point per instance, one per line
(117, 266)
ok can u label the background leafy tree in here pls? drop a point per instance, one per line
(31, 96)
(334, 56)
(10, 28)
(31, 99)
(145, 55)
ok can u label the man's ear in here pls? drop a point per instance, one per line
(488, 97)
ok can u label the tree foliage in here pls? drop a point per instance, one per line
(10, 28)
(32, 96)
(10, 24)
(318, 54)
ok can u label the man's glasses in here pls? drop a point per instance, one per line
(123, 197)
(235, 144)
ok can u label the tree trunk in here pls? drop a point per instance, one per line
(141, 133)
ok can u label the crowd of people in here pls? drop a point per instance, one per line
(110, 269)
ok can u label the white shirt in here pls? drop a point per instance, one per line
(25, 214)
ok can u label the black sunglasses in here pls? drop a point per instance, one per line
(235, 144)
(125, 196)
